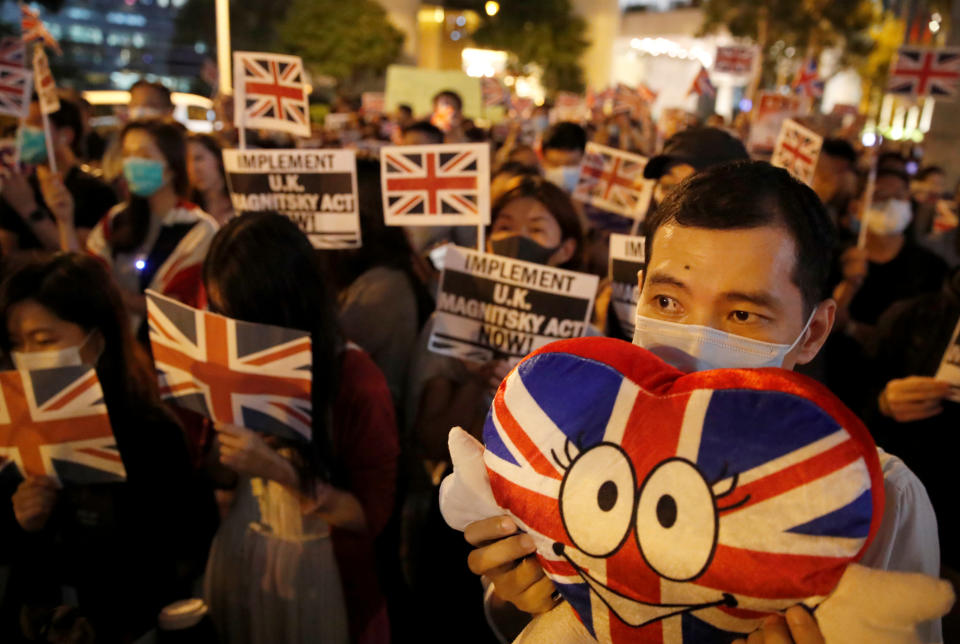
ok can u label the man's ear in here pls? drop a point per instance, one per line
(817, 333)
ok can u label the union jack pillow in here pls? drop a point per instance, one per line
(679, 508)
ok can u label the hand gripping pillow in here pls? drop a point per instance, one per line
(673, 507)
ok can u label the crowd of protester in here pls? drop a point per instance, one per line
(341, 539)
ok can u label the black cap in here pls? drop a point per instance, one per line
(700, 147)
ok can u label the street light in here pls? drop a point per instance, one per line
(491, 7)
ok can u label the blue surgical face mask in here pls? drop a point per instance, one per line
(33, 144)
(144, 176)
(565, 177)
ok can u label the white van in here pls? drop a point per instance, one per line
(109, 106)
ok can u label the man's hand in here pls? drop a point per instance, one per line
(18, 192)
(33, 502)
(913, 398)
(58, 199)
(489, 373)
(799, 627)
(503, 556)
(854, 265)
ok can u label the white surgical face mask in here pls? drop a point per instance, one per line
(37, 360)
(890, 217)
(690, 347)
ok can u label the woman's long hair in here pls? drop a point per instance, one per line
(212, 145)
(382, 245)
(129, 228)
(261, 268)
(77, 289)
(557, 204)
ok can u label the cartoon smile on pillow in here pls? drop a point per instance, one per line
(668, 506)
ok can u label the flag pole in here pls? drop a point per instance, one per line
(481, 241)
(223, 46)
(867, 203)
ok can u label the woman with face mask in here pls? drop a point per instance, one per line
(118, 551)
(536, 222)
(156, 239)
(297, 542)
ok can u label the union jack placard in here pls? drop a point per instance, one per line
(16, 86)
(12, 52)
(734, 59)
(252, 375)
(54, 423)
(493, 91)
(270, 92)
(702, 86)
(683, 513)
(926, 72)
(797, 150)
(430, 185)
(612, 180)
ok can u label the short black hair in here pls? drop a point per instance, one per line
(751, 194)
(893, 172)
(160, 88)
(452, 96)
(406, 109)
(565, 136)
(69, 116)
(886, 159)
(427, 128)
(840, 149)
(929, 170)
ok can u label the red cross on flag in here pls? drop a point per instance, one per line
(270, 92)
(734, 59)
(252, 375)
(54, 423)
(926, 72)
(430, 185)
(612, 180)
(797, 150)
(45, 85)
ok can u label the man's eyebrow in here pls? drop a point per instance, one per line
(664, 279)
(759, 298)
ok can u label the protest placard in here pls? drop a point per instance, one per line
(53, 422)
(797, 150)
(490, 306)
(925, 71)
(252, 375)
(949, 370)
(734, 59)
(317, 189)
(270, 92)
(769, 112)
(612, 180)
(626, 260)
(373, 103)
(436, 185)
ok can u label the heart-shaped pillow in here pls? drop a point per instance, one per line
(680, 507)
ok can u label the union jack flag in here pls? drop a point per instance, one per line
(436, 184)
(54, 423)
(32, 28)
(43, 82)
(651, 516)
(734, 59)
(797, 150)
(12, 52)
(926, 72)
(494, 93)
(270, 92)
(16, 86)
(808, 82)
(252, 375)
(702, 85)
(612, 180)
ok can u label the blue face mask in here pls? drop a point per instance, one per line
(144, 176)
(33, 145)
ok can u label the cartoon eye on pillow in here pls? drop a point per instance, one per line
(682, 508)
